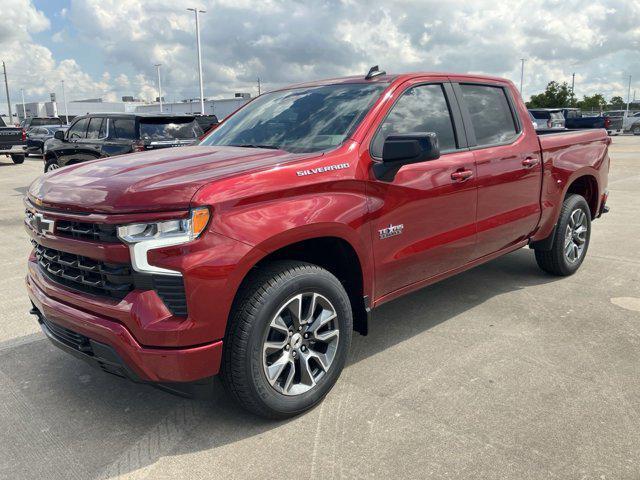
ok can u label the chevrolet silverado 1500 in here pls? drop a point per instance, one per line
(255, 254)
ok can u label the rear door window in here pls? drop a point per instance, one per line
(159, 129)
(420, 109)
(78, 129)
(491, 115)
(124, 128)
(95, 124)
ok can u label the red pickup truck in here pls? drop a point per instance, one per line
(257, 253)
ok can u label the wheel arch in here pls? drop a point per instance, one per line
(585, 185)
(334, 253)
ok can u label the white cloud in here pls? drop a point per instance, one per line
(287, 41)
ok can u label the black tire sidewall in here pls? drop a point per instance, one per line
(318, 281)
(17, 159)
(571, 203)
(46, 166)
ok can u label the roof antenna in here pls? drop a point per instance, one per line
(374, 72)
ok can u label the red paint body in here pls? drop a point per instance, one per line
(259, 205)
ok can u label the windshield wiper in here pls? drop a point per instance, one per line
(251, 145)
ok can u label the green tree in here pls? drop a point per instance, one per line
(617, 102)
(555, 95)
(593, 102)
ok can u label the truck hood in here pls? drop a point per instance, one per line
(161, 180)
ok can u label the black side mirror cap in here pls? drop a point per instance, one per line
(58, 135)
(404, 149)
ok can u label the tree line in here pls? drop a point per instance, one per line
(560, 95)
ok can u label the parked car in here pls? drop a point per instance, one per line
(32, 122)
(37, 136)
(12, 142)
(548, 118)
(107, 135)
(575, 119)
(630, 120)
(255, 254)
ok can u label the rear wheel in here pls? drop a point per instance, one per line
(17, 159)
(571, 239)
(287, 340)
(636, 129)
(51, 165)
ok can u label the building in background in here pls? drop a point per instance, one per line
(220, 108)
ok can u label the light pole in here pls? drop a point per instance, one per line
(66, 110)
(628, 95)
(521, 75)
(157, 65)
(196, 11)
(6, 86)
(24, 109)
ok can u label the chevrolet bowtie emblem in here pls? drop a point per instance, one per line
(40, 224)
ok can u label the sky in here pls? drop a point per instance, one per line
(107, 48)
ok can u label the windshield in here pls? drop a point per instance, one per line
(169, 129)
(615, 114)
(299, 120)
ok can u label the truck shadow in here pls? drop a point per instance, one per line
(63, 415)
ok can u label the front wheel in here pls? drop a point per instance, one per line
(636, 130)
(571, 238)
(17, 159)
(50, 166)
(287, 339)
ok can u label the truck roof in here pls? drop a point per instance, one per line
(387, 78)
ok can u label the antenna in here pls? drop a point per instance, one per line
(374, 72)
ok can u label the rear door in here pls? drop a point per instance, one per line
(423, 222)
(121, 135)
(509, 167)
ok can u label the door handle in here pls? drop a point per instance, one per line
(461, 175)
(530, 162)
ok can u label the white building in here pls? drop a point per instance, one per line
(74, 108)
(220, 108)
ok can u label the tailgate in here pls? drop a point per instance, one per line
(10, 136)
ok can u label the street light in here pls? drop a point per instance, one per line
(196, 11)
(521, 75)
(157, 65)
(24, 109)
(64, 99)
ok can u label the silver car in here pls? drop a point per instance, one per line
(548, 118)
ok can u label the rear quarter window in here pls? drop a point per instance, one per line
(124, 128)
(490, 113)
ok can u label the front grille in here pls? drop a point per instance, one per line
(68, 337)
(87, 231)
(113, 280)
(85, 274)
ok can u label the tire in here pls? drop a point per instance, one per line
(635, 129)
(51, 165)
(259, 376)
(17, 159)
(571, 239)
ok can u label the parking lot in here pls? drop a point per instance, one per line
(500, 372)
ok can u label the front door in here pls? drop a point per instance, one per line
(423, 222)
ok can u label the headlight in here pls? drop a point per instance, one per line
(142, 237)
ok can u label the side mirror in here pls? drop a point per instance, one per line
(403, 149)
(59, 135)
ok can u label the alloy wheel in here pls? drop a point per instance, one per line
(300, 343)
(576, 235)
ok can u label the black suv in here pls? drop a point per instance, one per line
(108, 134)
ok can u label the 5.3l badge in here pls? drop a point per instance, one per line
(390, 231)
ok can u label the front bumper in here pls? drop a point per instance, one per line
(110, 346)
